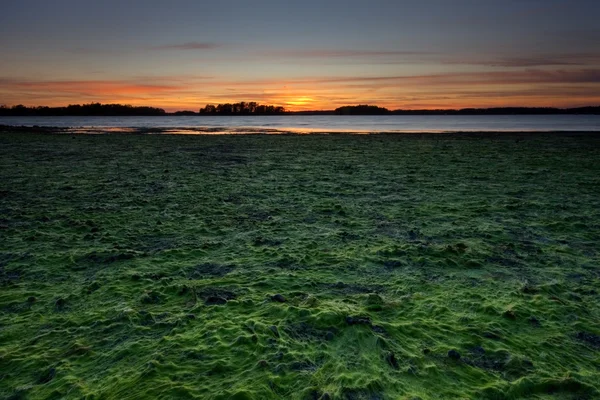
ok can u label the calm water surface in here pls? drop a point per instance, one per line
(328, 123)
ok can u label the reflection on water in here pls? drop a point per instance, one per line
(176, 131)
(313, 124)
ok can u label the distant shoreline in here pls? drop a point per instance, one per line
(474, 112)
(243, 110)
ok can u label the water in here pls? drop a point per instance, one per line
(325, 123)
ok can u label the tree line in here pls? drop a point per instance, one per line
(92, 109)
(253, 108)
(374, 110)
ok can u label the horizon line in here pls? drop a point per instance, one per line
(288, 111)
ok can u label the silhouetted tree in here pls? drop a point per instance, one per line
(361, 110)
(242, 108)
(92, 109)
(184, 113)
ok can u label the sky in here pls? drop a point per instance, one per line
(303, 55)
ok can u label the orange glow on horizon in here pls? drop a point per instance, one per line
(181, 104)
(531, 88)
(300, 102)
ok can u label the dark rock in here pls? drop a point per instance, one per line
(60, 303)
(216, 295)
(575, 297)
(391, 360)
(391, 264)
(93, 287)
(453, 354)
(156, 276)
(351, 288)
(274, 329)
(190, 316)
(374, 299)
(183, 290)
(278, 298)
(426, 351)
(214, 300)
(379, 329)
(329, 336)
(263, 363)
(534, 321)
(491, 335)
(31, 299)
(510, 314)
(358, 320)
(477, 351)
(359, 394)
(589, 338)
(529, 289)
(511, 367)
(527, 363)
(261, 241)
(95, 229)
(151, 297)
(209, 270)
(106, 258)
(47, 376)
(461, 247)
(303, 366)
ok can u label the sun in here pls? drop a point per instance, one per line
(300, 101)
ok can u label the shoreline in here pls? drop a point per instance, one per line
(258, 131)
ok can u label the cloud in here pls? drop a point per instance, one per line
(578, 37)
(577, 59)
(535, 86)
(518, 62)
(154, 84)
(91, 87)
(325, 53)
(469, 78)
(189, 46)
(533, 76)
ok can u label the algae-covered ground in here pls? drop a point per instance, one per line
(432, 266)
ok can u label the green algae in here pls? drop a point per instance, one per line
(148, 266)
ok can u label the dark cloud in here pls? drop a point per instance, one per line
(475, 78)
(326, 53)
(577, 59)
(189, 46)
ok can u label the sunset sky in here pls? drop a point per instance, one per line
(301, 55)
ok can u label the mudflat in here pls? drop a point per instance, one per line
(427, 266)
